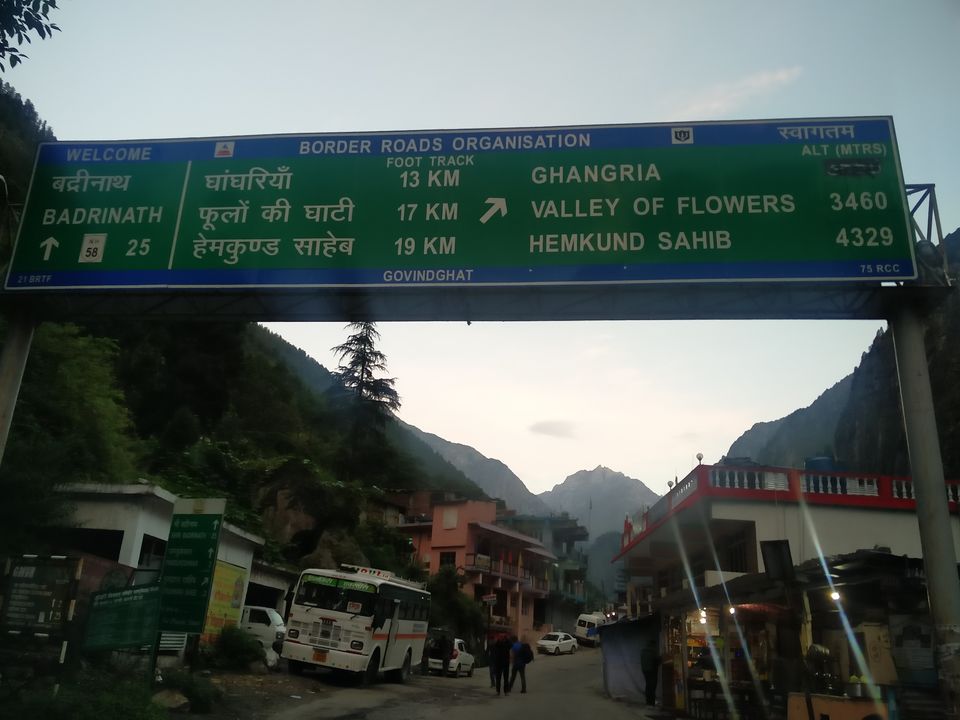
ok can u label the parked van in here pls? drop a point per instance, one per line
(587, 631)
(264, 623)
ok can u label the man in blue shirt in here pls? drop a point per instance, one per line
(519, 664)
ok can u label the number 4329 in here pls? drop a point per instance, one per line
(865, 237)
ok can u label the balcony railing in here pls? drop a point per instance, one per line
(540, 584)
(476, 562)
(853, 490)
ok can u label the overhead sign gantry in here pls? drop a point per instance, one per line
(760, 201)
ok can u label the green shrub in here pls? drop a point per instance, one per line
(236, 649)
(89, 696)
(201, 693)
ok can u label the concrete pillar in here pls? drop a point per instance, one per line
(926, 465)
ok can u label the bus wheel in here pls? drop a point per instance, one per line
(373, 667)
(403, 674)
(295, 667)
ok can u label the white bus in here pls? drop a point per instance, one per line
(356, 619)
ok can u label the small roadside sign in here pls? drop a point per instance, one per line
(489, 599)
(37, 595)
(189, 562)
(123, 618)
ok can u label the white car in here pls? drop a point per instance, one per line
(557, 642)
(461, 662)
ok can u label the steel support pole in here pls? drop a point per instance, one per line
(13, 361)
(926, 464)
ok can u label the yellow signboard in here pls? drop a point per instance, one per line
(226, 601)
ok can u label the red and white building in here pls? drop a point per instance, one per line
(736, 508)
(852, 583)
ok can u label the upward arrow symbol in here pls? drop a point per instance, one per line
(48, 245)
(497, 205)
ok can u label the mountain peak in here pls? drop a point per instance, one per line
(599, 498)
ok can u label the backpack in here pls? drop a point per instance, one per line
(526, 654)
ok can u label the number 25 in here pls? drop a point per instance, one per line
(138, 247)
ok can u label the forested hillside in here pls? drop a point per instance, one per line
(203, 409)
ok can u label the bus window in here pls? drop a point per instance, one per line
(356, 598)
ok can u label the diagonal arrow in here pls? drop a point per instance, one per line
(497, 205)
(48, 245)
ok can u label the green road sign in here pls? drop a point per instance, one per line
(188, 564)
(123, 618)
(815, 199)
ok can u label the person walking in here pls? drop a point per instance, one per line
(650, 665)
(519, 657)
(491, 663)
(501, 663)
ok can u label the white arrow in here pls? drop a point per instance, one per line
(497, 205)
(48, 245)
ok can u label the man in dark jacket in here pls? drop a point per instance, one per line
(650, 665)
(501, 662)
(446, 653)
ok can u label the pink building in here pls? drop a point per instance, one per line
(494, 561)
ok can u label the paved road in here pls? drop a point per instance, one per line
(569, 687)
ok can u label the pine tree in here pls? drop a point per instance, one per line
(367, 457)
(360, 361)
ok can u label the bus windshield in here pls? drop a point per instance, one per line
(327, 593)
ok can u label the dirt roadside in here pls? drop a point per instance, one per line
(248, 696)
(257, 697)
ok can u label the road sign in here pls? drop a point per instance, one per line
(818, 199)
(188, 564)
(38, 594)
(123, 618)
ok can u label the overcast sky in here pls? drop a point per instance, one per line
(548, 399)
